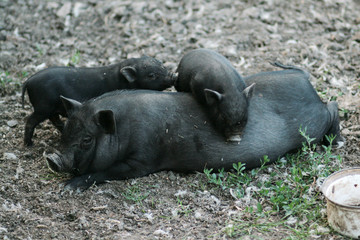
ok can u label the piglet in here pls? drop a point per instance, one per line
(216, 84)
(45, 87)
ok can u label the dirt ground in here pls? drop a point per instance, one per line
(322, 37)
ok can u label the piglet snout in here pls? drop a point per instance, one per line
(234, 138)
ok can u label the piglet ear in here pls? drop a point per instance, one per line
(70, 105)
(212, 96)
(248, 92)
(129, 73)
(106, 120)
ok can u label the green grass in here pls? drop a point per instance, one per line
(286, 189)
(7, 83)
(50, 175)
(23, 74)
(39, 50)
(344, 113)
(75, 59)
(134, 193)
(5, 79)
(183, 209)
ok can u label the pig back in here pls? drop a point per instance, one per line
(282, 103)
(211, 69)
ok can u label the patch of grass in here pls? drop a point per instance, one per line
(51, 175)
(23, 74)
(5, 79)
(322, 93)
(39, 50)
(135, 194)
(184, 210)
(236, 179)
(247, 228)
(7, 83)
(344, 113)
(287, 189)
(75, 59)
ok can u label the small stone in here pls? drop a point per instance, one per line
(336, 47)
(138, 7)
(252, 12)
(40, 67)
(291, 221)
(69, 41)
(83, 222)
(149, 217)
(2, 230)
(12, 123)
(198, 215)
(174, 213)
(52, 5)
(172, 176)
(10, 156)
(64, 10)
(79, 8)
(323, 230)
(160, 232)
(181, 193)
(19, 171)
(177, 27)
(215, 199)
(291, 42)
(7, 60)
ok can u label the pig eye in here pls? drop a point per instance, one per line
(151, 75)
(86, 141)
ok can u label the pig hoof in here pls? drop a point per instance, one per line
(340, 144)
(69, 186)
(234, 138)
(80, 183)
(28, 143)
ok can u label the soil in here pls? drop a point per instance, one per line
(322, 37)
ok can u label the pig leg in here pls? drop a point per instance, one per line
(335, 124)
(55, 119)
(118, 172)
(33, 120)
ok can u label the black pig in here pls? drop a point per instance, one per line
(128, 134)
(216, 84)
(45, 87)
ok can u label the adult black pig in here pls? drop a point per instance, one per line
(216, 84)
(45, 87)
(128, 134)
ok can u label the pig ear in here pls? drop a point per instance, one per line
(70, 105)
(248, 92)
(106, 120)
(129, 73)
(212, 96)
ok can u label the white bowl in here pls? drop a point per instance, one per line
(342, 192)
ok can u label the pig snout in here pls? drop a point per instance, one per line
(54, 162)
(234, 134)
(234, 138)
